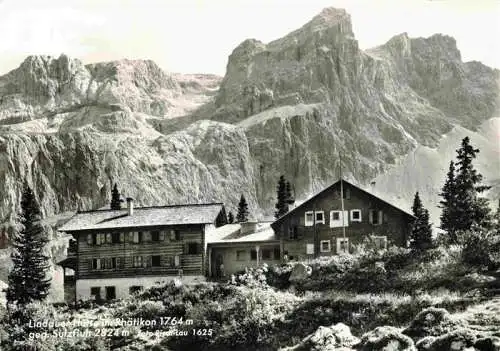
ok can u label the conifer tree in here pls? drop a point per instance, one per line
(471, 209)
(242, 215)
(28, 280)
(282, 198)
(289, 196)
(221, 218)
(230, 218)
(116, 202)
(448, 204)
(421, 235)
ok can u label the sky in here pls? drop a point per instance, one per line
(195, 36)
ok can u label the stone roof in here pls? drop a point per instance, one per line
(143, 217)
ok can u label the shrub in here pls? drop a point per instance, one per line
(242, 321)
(278, 276)
(480, 248)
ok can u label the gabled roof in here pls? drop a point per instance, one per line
(230, 233)
(279, 220)
(143, 217)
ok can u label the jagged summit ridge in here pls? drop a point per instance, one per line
(287, 107)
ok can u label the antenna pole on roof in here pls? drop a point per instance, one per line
(342, 196)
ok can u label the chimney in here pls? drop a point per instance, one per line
(248, 227)
(130, 206)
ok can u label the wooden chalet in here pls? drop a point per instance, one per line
(337, 217)
(117, 252)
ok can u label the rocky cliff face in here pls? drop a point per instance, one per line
(287, 107)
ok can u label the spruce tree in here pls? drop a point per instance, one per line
(448, 204)
(471, 209)
(230, 218)
(242, 215)
(282, 198)
(221, 218)
(421, 235)
(28, 280)
(116, 202)
(289, 196)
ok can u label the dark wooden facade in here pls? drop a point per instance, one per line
(163, 251)
(315, 227)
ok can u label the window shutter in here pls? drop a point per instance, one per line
(89, 264)
(89, 239)
(162, 236)
(380, 217)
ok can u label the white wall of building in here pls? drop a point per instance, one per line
(122, 285)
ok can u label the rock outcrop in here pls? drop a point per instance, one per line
(289, 107)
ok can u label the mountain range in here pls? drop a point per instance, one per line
(295, 106)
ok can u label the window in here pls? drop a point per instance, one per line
(320, 217)
(240, 255)
(175, 235)
(110, 293)
(355, 215)
(342, 245)
(336, 219)
(109, 238)
(253, 255)
(325, 246)
(156, 261)
(277, 253)
(292, 232)
(137, 261)
(116, 238)
(347, 193)
(380, 242)
(95, 292)
(376, 217)
(266, 254)
(138, 237)
(155, 235)
(89, 239)
(134, 289)
(309, 221)
(193, 249)
(97, 263)
(309, 249)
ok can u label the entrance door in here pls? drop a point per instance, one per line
(219, 266)
(110, 293)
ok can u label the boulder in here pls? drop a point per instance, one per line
(458, 340)
(386, 338)
(432, 321)
(336, 337)
(489, 343)
(300, 272)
